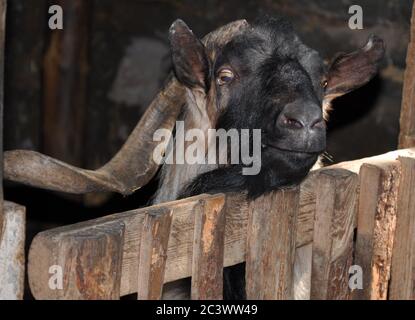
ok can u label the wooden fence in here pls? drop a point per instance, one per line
(359, 213)
(353, 213)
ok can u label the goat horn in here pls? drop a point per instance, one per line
(133, 166)
(129, 169)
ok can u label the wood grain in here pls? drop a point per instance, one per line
(402, 283)
(270, 249)
(153, 253)
(333, 233)
(3, 5)
(407, 120)
(90, 261)
(65, 68)
(12, 252)
(376, 223)
(208, 250)
(180, 247)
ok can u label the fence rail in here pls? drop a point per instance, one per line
(354, 213)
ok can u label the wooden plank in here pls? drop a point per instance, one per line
(85, 266)
(305, 227)
(355, 165)
(236, 222)
(25, 48)
(376, 227)
(65, 74)
(302, 272)
(271, 245)
(333, 234)
(208, 250)
(12, 254)
(153, 253)
(305, 224)
(407, 120)
(402, 284)
(308, 190)
(12, 216)
(3, 5)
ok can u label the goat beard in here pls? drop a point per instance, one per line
(231, 179)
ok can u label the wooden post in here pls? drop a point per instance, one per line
(336, 191)
(271, 245)
(2, 47)
(12, 216)
(153, 254)
(402, 284)
(376, 222)
(65, 68)
(305, 227)
(407, 121)
(12, 253)
(86, 265)
(23, 111)
(208, 249)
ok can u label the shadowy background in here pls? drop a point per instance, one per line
(76, 94)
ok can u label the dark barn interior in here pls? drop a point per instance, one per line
(77, 94)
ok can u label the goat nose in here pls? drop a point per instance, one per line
(292, 122)
(301, 117)
(318, 123)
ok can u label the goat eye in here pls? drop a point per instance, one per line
(225, 76)
(324, 84)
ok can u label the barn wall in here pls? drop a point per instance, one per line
(121, 28)
(128, 59)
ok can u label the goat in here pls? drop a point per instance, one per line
(264, 78)
(257, 77)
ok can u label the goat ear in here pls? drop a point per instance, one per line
(190, 61)
(350, 71)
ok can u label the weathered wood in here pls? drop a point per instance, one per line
(355, 165)
(236, 222)
(3, 5)
(308, 191)
(305, 224)
(47, 246)
(333, 233)
(305, 227)
(24, 54)
(302, 272)
(65, 78)
(208, 250)
(376, 223)
(89, 262)
(179, 260)
(402, 283)
(12, 254)
(270, 249)
(153, 253)
(407, 120)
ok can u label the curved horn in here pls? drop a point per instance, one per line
(133, 166)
